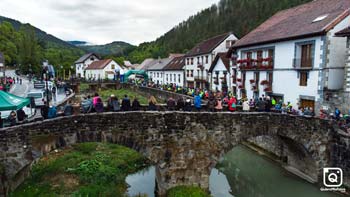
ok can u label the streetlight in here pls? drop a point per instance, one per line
(46, 77)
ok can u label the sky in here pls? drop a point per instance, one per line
(103, 21)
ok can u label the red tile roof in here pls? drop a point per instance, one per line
(224, 59)
(99, 64)
(208, 45)
(176, 64)
(298, 22)
(344, 32)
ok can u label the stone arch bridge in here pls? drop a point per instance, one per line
(183, 146)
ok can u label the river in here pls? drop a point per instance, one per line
(242, 173)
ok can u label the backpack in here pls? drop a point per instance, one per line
(233, 105)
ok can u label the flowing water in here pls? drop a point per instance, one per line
(242, 173)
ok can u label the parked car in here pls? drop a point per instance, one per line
(39, 97)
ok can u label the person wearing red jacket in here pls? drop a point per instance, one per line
(232, 104)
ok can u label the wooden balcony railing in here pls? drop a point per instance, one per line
(303, 64)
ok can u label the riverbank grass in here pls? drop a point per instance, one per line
(187, 191)
(88, 169)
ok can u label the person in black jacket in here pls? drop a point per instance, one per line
(21, 115)
(126, 103)
(45, 111)
(136, 105)
(180, 104)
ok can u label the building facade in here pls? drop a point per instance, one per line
(104, 69)
(222, 75)
(83, 62)
(200, 58)
(174, 71)
(293, 64)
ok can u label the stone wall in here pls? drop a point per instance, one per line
(183, 146)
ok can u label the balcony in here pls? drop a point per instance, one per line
(201, 78)
(303, 64)
(256, 67)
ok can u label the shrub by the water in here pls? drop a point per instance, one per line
(88, 169)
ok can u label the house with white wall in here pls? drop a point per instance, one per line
(200, 58)
(294, 56)
(221, 74)
(83, 62)
(174, 72)
(103, 69)
(156, 73)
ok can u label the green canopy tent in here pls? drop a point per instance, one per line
(135, 72)
(12, 102)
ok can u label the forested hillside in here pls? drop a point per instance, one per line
(24, 45)
(117, 48)
(238, 16)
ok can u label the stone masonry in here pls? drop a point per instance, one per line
(183, 146)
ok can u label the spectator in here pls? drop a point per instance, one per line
(113, 104)
(21, 115)
(152, 103)
(232, 104)
(94, 100)
(180, 104)
(12, 118)
(198, 102)
(188, 105)
(261, 105)
(87, 105)
(136, 105)
(68, 109)
(171, 104)
(211, 103)
(126, 105)
(44, 110)
(52, 112)
(99, 108)
(337, 113)
(54, 90)
(218, 106)
(246, 106)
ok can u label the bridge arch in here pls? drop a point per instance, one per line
(184, 146)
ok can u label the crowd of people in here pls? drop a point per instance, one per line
(6, 83)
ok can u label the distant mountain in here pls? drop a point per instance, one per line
(77, 43)
(117, 48)
(51, 41)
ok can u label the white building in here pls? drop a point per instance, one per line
(174, 72)
(200, 58)
(83, 62)
(103, 69)
(221, 74)
(294, 55)
(156, 73)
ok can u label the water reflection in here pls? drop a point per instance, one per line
(142, 182)
(242, 173)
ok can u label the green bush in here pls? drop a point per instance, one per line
(187, 191)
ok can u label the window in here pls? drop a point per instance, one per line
(197, 60)
(171, 78)
(179, 77)
(187, 73)
(188, 61)
(228, 44)
(206, 59)
(191, 61)
(191, 73)
(174, 77)
(269, 77)
(202, 58)
(306, 55)
(166, 77)
(113, 66)
(157, 74)
(257, 80)
(303, 78)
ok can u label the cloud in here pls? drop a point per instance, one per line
(103, 21)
